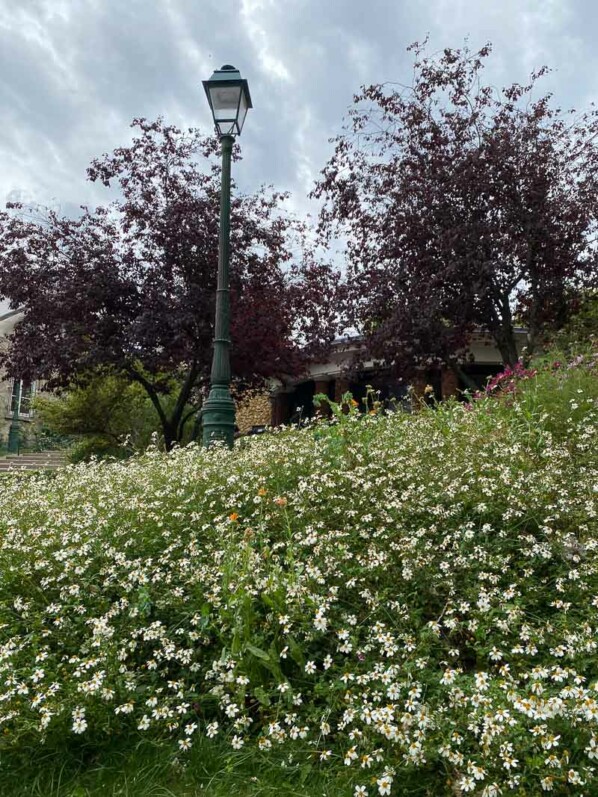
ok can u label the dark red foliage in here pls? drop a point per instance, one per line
(130, 286)
(506, 381)
(465, 207)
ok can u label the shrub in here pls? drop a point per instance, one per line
(582, 327)
(105, 416)
(409, 599)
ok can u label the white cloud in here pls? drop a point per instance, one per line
(254, 14)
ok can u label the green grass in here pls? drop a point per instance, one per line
(149, 770)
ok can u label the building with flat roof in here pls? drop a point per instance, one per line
(290, 400)
(293, 399)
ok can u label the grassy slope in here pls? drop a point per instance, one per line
(391, 501)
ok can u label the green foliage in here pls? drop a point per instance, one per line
(105, 417)
(42, 438)
(552, 396)
(401, 601)
(582, 328)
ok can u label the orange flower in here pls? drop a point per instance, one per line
(262, 491)
(354, 403)
(233, 516)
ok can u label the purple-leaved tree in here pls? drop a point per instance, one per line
(465, 207)
(129, 287)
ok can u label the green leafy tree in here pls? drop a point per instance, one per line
(108, 415)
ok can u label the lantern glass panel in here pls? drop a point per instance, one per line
(242, 111)
(225, 104)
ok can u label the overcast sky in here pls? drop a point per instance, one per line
(74, 73)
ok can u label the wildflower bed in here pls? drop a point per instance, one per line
(406, 602)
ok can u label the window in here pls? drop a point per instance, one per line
(22, 393)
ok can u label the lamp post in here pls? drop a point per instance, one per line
(229, 98)
(14, 431)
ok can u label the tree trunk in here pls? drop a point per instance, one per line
(168, 430)
(178, 418)
(500, 327)
(197, 433)
(169, 436)
(183, 423)
(507, 347)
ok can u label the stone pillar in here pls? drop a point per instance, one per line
(418, 383)
(321, 386)
(450, 383)
(280, 408)
(341, 386)
(253, 410)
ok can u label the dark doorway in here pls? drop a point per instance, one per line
(480, 373)
(391, 392)
(301, 402)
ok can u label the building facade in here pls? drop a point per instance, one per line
(15, 395)
(292, 400)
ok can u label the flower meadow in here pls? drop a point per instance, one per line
(408, 602)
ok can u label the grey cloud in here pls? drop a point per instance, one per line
(73, 73)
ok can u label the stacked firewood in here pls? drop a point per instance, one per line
(253, 410)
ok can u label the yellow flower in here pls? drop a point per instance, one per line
(233, 516)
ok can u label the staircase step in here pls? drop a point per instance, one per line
(17, 462)
(35, 461)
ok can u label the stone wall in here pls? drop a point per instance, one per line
(5, 396)
(7, 325)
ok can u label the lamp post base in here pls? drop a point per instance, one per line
(218, 417)
(14, 438)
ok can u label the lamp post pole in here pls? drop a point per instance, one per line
(218, 415)
(14, 432)
(229, 98)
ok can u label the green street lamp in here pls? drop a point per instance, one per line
(229, 98)
(14, 431)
